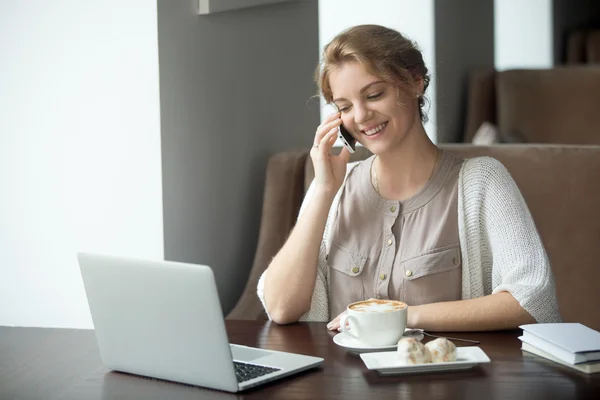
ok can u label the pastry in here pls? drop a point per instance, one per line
(441, 350)
(411, 351)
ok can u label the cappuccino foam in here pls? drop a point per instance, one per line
(378, 306)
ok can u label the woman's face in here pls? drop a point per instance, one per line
(376, 113)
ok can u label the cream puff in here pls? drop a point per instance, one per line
(411, 351)
(441, 350)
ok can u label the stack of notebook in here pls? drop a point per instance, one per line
(571, 344)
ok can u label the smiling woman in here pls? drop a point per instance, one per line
(370, 108)
(411, 223)
(384, 53)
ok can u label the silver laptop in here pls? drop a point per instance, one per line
(163, 319)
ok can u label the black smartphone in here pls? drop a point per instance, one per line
(346, 138)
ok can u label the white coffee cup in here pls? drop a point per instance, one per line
(375, 322)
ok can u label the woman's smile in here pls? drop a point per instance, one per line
(374, 131)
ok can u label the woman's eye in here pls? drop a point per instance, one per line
(343, 109)
(375, 96)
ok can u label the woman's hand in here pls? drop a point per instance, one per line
(330, 170)
(334, 324)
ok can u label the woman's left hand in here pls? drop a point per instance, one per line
(334, 324)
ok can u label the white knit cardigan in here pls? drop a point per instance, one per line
(501, 248)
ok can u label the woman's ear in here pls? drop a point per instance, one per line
(420, 86)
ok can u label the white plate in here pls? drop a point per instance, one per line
(354, 346)
(386, 363)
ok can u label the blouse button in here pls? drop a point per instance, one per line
(393, 208)
(355, 270)
(382, 276)
(408, 273)
(389, 242)
(455, 261)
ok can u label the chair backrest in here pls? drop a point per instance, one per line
(547, 106)
(592, 47)
(583, 47)
(481, 101)
(575, 51)
(560, 184)
(558, 105)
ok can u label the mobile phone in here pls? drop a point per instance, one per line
(346, 139)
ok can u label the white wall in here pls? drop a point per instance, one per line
(523, 34)
(79, 149)
(415, 19)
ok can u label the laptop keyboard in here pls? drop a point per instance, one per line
(244, 372)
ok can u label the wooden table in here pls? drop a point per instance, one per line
(38, 363)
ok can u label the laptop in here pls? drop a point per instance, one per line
(163, 319)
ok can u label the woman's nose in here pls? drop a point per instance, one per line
(361, 114)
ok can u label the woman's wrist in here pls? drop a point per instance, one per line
(324, 193)
(413, 317)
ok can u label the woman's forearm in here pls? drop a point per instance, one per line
(493, 312)
(290, 277)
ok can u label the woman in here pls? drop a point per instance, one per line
(452, 238)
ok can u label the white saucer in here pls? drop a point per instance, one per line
(355, 346)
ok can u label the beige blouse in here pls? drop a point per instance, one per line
(387, 249)
(500, 251)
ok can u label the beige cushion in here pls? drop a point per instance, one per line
(486, 135)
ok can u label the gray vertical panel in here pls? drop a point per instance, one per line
(464, 40)
(234, 88)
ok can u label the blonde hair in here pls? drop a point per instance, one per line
(383, 52)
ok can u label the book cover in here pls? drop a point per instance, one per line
(588, 368)
(572, 342)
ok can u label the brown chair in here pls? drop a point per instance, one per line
(544, 106)
(560, 184)
(575, 52)
(592, 47)
(583, 47)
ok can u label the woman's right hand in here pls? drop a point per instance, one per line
(330, 170)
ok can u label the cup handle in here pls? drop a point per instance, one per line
(346, 319)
